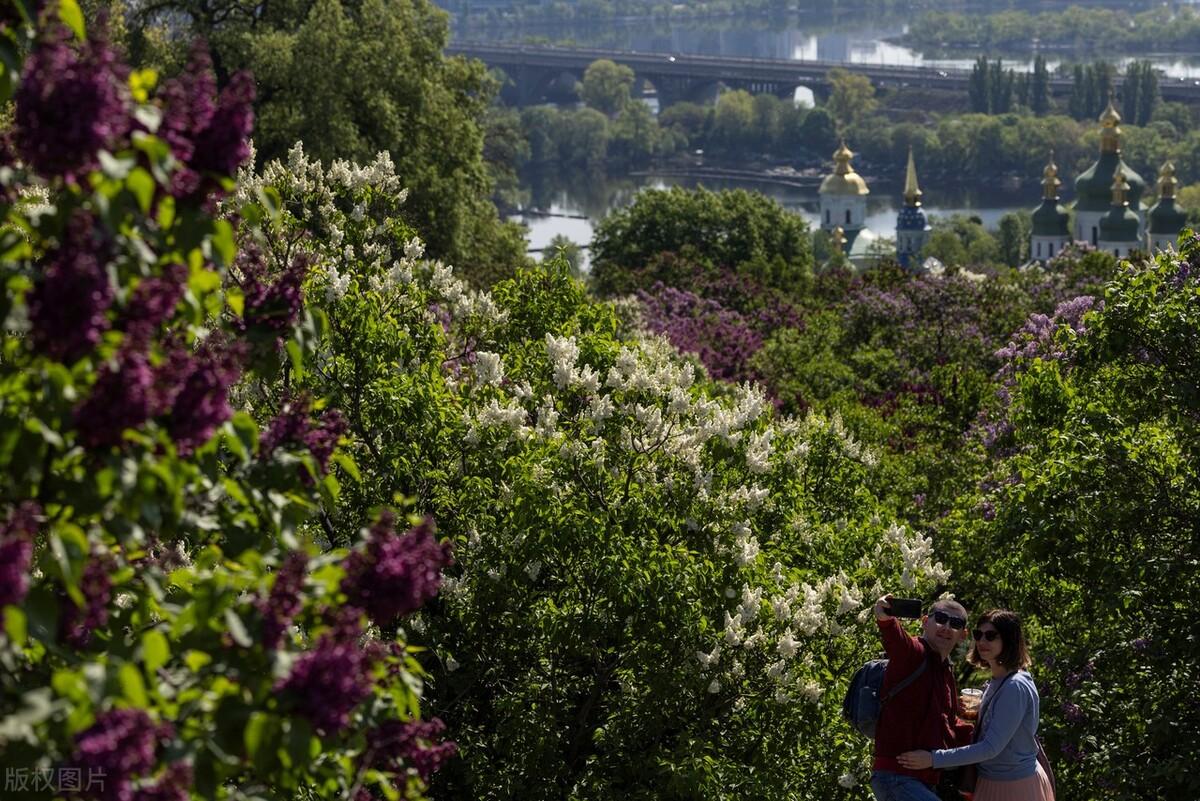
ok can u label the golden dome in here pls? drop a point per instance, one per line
(1110, 131)
(1050, 180)
(912, 192)
(844, 180)
(1166, 181)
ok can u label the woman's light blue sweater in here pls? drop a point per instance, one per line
(1005, 749)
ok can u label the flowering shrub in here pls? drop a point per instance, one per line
(176, 623)
(657, 585)
(1088, 525)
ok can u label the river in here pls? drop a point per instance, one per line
(575, 202)
(578, 201)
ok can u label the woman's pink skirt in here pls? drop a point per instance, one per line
(1035, 788)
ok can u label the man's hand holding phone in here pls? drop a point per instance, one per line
(888, 607)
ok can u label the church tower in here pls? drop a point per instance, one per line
(1119, 228)
(1093, 189)
(1051, 222)
(912, 228)
(843, 196)
(1165, 220)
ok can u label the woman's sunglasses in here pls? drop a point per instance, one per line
(943, 619)
(990, 635)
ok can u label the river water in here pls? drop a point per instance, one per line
(577, 201)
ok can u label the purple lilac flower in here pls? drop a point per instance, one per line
(120, 399)
(119, 746)
(1072, 712)
(722, 338)
(397, 745)
(1142, 644)
(173, 785)
(152, 302)
(394, 575)
(281, 606)
(69, 302)
(202, 402)
(16, 551)
(272, 305)
(329, 681)
(206, 134)
(77, 624)
(1073, 752)
(292, 426)
(70, 105)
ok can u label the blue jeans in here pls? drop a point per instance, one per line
(889, 786)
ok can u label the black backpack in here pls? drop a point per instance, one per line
(863, 705)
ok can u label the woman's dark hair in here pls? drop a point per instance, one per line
(1014, 655)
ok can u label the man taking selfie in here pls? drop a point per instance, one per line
(925, 714)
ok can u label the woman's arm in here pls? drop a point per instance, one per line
(1004, 716)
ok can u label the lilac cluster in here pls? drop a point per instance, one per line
(152, 303)
(69, 301)
(16, 551)
(271, 305)
(329, 681)
(292, 426)
(283, 603)
(396, 745)
(121, 399)
(76, 623)
(722, 338)
(395, 575)
(1072, 713)
(1036, 339)
(206, 134)
(70, 105)
(202, 400)
(1075, 678)
(174, 785)
(120, 746)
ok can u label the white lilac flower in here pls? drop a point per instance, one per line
(451, 664)
(849, 600)
(547, 418)
(488, 369)
(709, 660)
(338, 285)
(811, 691)
(787, 645)
(847, 780)
(776, 669)
(588, 380)
(746, 550)
(414, 249)
(714, 687)
(758, 453)
(782, 697)
(562, 352)
(533, 569)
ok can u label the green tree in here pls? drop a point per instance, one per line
(733, 120)
(1039, 88)
(818, 132)
(393, 89)
(606, 85)
(978, 86)
(852, 97)
(561, 247)
(729, 229)
(1013, 238)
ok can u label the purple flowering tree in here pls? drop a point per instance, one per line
(176, 622)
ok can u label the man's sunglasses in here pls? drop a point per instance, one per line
(943, 619)
(980, 634)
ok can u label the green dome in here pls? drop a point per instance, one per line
(1051, 219)
(1093, 189)
(1119, 225)
(1165, 217)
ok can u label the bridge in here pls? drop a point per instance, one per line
(536, 69)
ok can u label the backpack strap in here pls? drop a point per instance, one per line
(907, 680)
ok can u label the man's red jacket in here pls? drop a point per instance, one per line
(925, 715)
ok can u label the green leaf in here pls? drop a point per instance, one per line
(258, 729)
(72, 16)
(132, 686)
(141, 183)
(297, 357)
(222, 242)
(237, 629)
(195, 660)
(347, 463)
(155, 651)
(15, 626)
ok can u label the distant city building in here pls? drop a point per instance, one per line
(1120, 228)
(1165, 221)
(912, 227)
(1051, 222)
(843, 204)
(1093, 189)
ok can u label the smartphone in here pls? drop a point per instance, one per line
(905, 607)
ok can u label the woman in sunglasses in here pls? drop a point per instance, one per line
(1005, 747)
